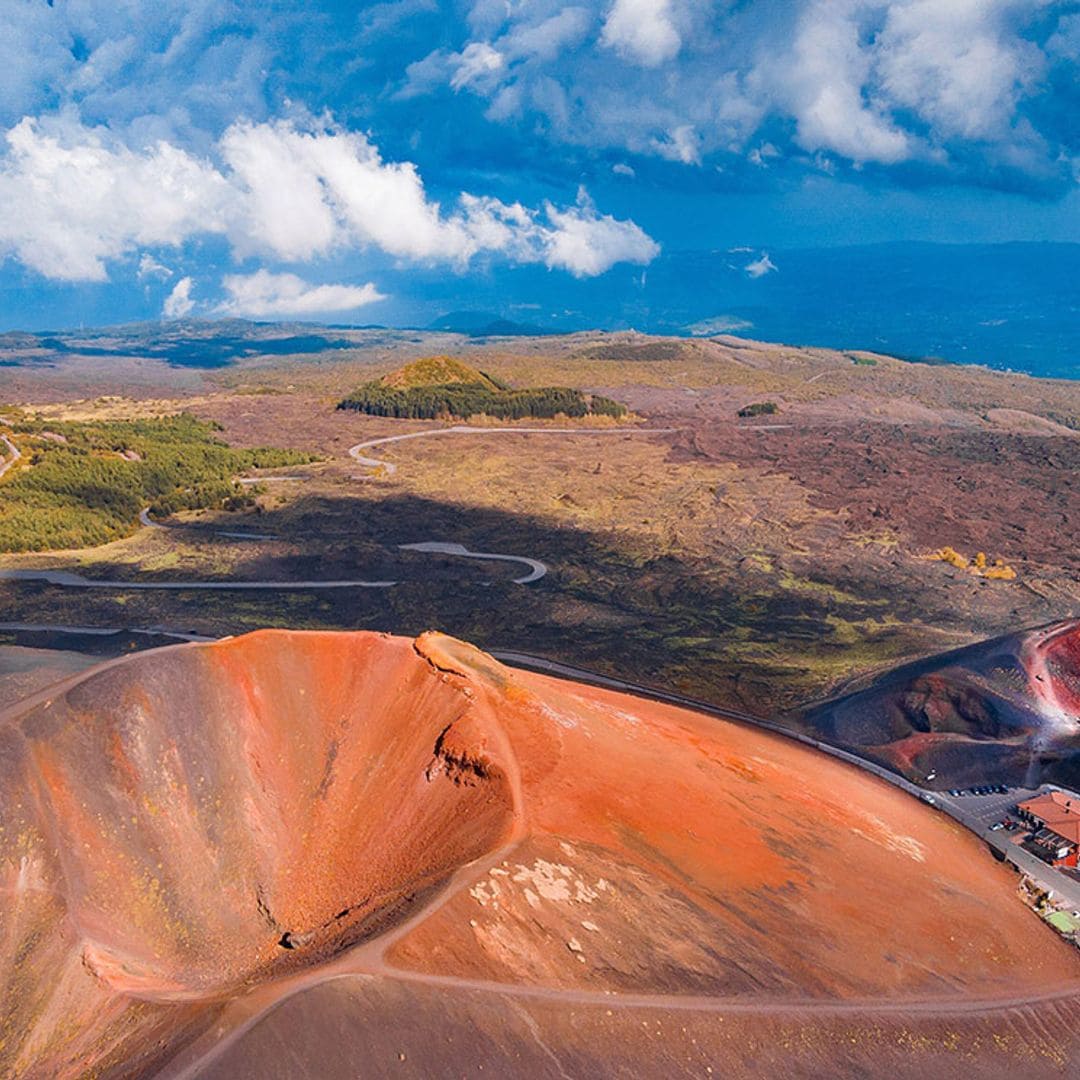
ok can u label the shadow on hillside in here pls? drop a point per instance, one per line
(608, 603)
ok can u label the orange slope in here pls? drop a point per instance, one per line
(204, 841)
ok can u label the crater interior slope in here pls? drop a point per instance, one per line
(289, 853)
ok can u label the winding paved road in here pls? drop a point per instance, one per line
(13, 450)
(68, 580)
(537, 569)
(389, 468)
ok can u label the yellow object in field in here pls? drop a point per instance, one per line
(979, 565)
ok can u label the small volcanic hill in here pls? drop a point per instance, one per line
(440, 386)
(438, 371)
(1006, 710)
(283, 854)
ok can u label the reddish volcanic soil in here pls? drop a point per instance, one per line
(290, 853)
(1015, 496)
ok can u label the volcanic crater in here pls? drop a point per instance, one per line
(1004, 710)
(282, 854)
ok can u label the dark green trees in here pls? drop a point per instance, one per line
(85, 483)
(462, 400)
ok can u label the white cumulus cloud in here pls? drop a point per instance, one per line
(307, 192)
(179, 303)
(891, 80)
(642, 31)
(264, 294)
(73, 198)
(474, 63)
(548, 39)
(587, 243)
(957, 64)
(967, 86)
(759, 267)
(682, 144)
(150, 268)
(821, 81)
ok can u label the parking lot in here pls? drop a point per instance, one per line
(979, 812)
(983, 810)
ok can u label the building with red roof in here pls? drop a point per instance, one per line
(1055, 817)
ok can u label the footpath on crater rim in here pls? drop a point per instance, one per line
(284, 853)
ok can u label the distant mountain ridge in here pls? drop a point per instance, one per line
(484, 324)
(197, 343)
(1009, 306)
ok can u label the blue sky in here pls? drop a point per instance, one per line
(302, 159)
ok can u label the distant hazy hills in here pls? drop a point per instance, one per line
(1012, 306)
(1004, 305)
(188, 343)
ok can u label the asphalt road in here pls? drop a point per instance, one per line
(389, 468)
(13, 450)
(537, 569)
(68, 580)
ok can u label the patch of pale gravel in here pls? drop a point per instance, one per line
(543, 880)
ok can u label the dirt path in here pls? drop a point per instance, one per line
(368, 961)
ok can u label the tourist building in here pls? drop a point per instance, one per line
(1055, 817)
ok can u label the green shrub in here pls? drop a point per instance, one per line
(605, 406)
(760, 408)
